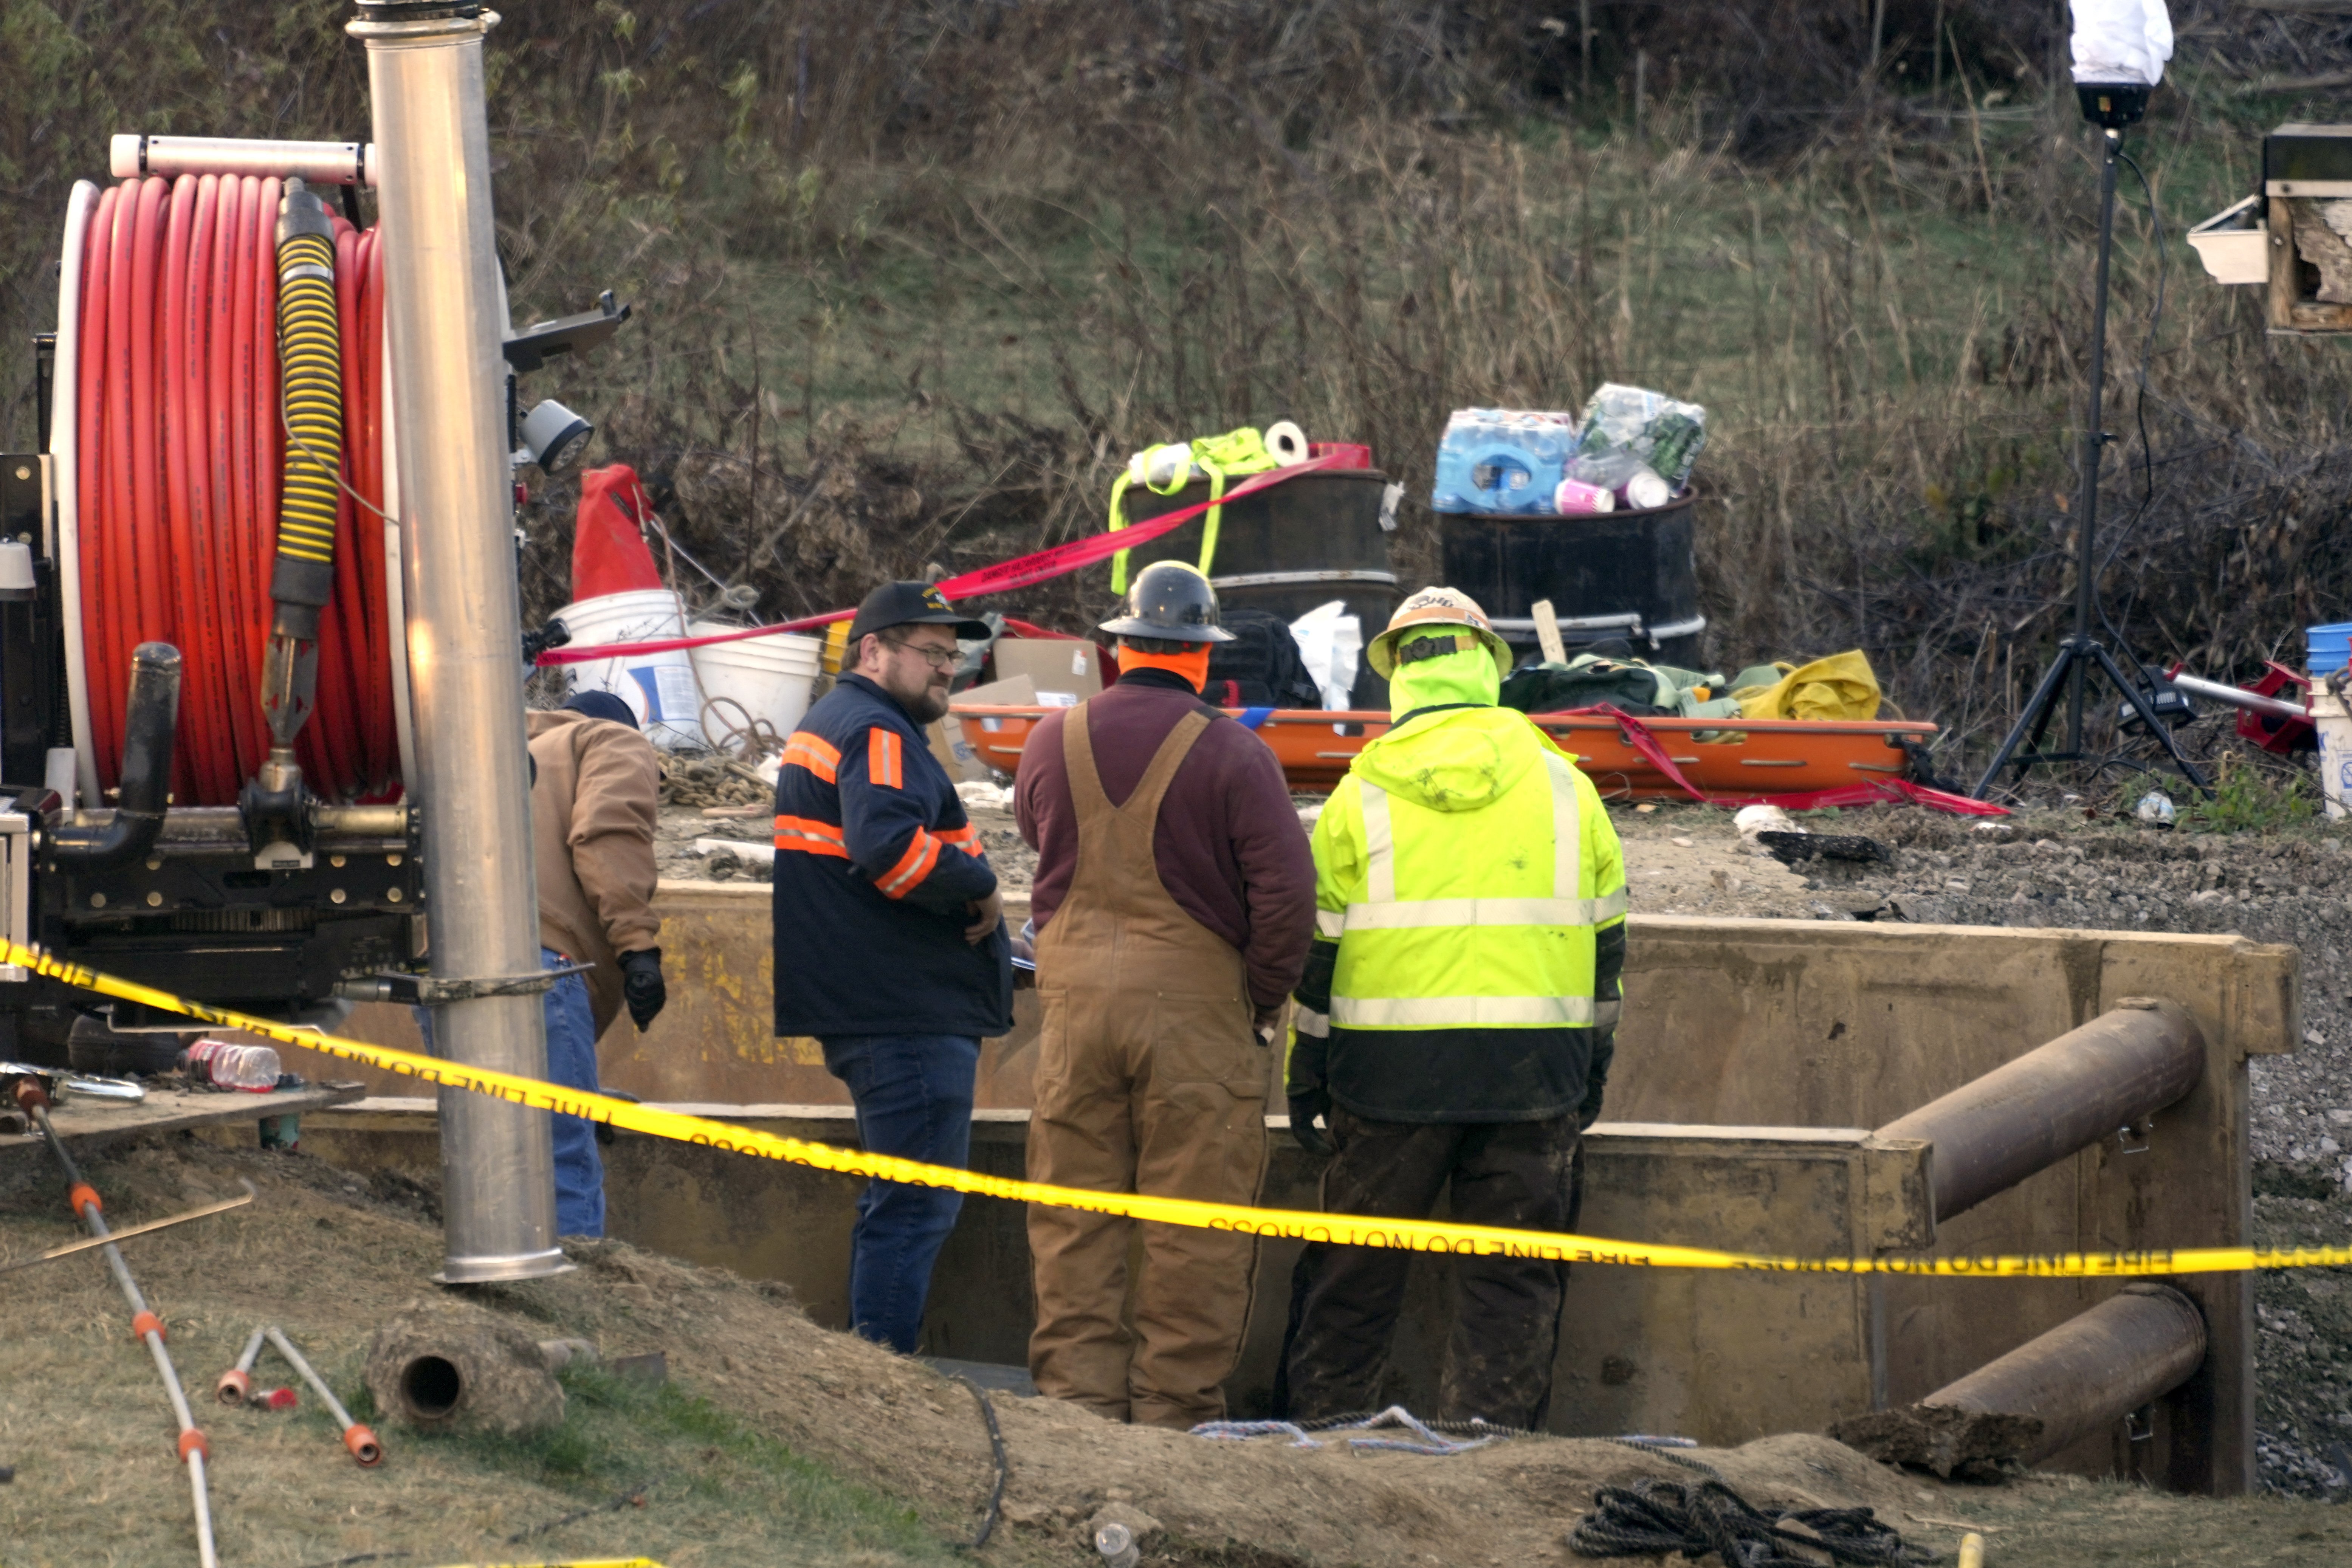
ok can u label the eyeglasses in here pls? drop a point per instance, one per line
(937, 657)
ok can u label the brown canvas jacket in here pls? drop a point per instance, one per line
(593, 812)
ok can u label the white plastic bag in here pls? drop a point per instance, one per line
(1330, 640)
(2121, 40)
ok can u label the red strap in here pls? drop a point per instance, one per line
(1637, 735)
(1877, 792)
(1022, 572)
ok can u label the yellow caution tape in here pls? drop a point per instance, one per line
(1345, 1230)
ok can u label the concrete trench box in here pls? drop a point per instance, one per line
(1755, 1057)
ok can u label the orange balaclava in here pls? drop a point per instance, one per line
(1192, 664)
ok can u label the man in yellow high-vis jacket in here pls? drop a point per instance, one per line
(1456, 1020)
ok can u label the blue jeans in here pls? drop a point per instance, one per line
(913, 1094)
(572, 1062)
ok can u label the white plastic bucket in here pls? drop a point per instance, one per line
(660, 688)
(2329, 717)
(769, 677)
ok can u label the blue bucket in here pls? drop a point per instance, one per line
(2330, 647)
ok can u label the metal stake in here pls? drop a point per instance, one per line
(86, 1207)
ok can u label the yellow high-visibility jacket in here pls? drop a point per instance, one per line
(1470, 896)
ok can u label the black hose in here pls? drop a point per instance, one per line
(996, 1450)
(151, 727)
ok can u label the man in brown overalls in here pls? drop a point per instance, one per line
(1174, 900)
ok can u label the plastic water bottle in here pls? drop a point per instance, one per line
(1116, 1545)
(253, 1068)
(1502, 462)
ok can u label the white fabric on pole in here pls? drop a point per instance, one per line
(2121, 40)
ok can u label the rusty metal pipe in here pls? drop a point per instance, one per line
(1993, 1133)
(2091, 1370)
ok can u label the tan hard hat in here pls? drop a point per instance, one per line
(1431, 608)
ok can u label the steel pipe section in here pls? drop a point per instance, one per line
(443, 324)
(131, 155)
(2090, 1370)
(2026, 1116)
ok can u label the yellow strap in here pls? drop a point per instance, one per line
(1347, 1230)
(1179, 477)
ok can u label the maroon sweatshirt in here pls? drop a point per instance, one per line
(1228, 844)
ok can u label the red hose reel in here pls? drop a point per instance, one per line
(180, 452)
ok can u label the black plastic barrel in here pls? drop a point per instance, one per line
(1629, 574)
(1288, 550)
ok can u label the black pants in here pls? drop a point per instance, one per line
(1506, 1310)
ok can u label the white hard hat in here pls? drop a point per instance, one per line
(1428, 609)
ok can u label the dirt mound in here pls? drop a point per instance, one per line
(333, 1260)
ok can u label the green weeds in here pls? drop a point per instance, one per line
(2253, 797)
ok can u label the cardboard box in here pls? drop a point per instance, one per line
(1066, 672)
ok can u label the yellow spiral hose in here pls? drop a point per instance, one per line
(310, 354)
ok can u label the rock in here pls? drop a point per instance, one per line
(1140, 1524)
(442, 1366)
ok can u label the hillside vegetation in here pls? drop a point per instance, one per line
(912, 279)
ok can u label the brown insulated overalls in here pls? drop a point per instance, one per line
(1149, 1079)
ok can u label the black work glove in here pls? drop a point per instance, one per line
(1304, 1109)
(1589, 1112)
(642, 987)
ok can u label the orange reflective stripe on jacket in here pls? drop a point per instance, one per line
(885, 763)
(810, 837)
(966, 838)
(922, 854)
(807, 750)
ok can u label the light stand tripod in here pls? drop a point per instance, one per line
(2112, 107)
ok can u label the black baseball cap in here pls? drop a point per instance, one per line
(912, 605)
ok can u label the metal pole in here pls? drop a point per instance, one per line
(2089, 1371)
(144, 1324)
(2094, 441)
(464, 630)
(2026, 1115)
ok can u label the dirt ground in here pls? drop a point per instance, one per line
(778, 1441)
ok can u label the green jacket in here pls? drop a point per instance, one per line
(1470, 898)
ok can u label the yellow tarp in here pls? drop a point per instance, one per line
(1839, 687)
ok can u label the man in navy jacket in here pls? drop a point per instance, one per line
(889, 932)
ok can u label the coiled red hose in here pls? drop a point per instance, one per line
(182, 450)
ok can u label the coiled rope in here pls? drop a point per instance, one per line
(181, 462)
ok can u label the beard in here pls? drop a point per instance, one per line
(924, 704)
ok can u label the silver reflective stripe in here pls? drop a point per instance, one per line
(1379, 847)
(1330, 924)
(1566, 841)
(1314, 1025)
(1459, 1011)
(1414, 912)
(1606, 1014)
